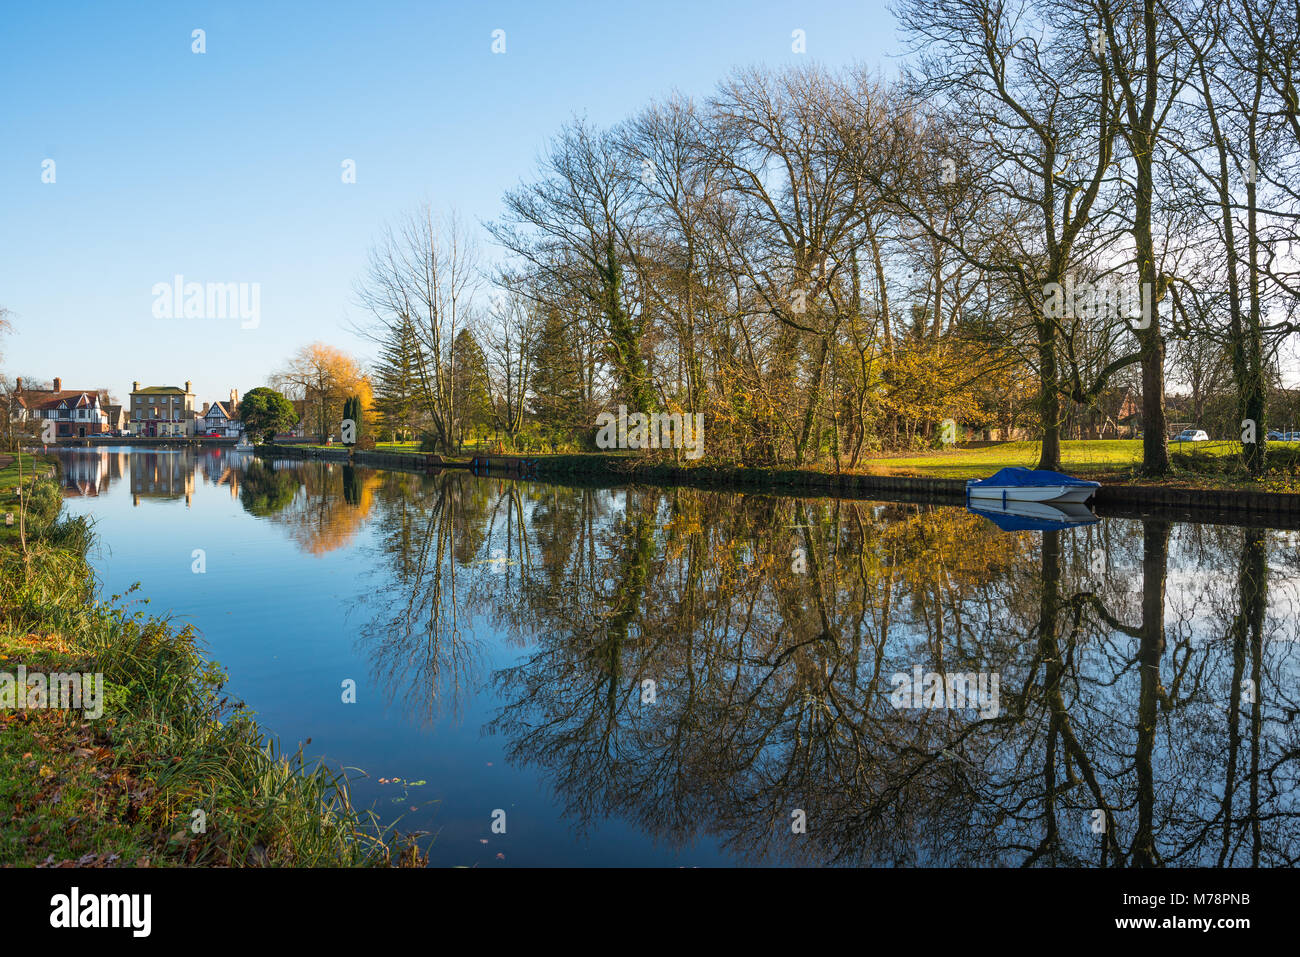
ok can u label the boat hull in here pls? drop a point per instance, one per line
(1067, 494)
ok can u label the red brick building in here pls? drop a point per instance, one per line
(76, 413)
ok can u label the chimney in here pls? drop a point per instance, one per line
(234, 401)
(205, 408)
(135, 386)
(188, 383)
(20, 384)
(58, 384)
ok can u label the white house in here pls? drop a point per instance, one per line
(221, 417)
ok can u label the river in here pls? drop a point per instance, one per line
(550, 674)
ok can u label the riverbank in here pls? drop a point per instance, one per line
(153, 766)
(11, 468)
(1204, 481)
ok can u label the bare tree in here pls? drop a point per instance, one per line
(509, 337)
(425, 272)
(1030, 110)
(570, 227)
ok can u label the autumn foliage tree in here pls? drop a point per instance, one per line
(322, 378)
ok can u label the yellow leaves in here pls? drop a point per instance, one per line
(956, 545)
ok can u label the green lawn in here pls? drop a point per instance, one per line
(1085, 456)
(9, 473)
(470, 448)
(9, 485)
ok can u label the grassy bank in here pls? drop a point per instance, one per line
(124, 788)
(1195, 465)
(1091, 456)
(11, 467)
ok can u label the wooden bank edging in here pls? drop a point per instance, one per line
(1109, 497)
(1210, 499)
(410, 461)
(1114, 499)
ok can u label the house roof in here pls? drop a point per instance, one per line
(160, 390)
(215, 406)
(74, 398)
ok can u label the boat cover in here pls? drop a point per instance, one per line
(1017, 477)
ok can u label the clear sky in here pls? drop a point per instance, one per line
(226, 166)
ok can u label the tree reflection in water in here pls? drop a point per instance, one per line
(1147, 713)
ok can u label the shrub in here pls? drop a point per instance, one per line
(44, 500)
(74, 534)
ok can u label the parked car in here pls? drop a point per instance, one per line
(1275, 436)
(1191, 435)
(214, 434)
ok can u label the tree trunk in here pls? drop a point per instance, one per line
(1049, 399)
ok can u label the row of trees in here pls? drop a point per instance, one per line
(1058, 204)
(825, 262)
(1141, 140)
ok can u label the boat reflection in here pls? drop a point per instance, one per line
(1035, 516)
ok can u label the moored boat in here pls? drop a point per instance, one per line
(1031, 485)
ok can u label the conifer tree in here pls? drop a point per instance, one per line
(397, 383)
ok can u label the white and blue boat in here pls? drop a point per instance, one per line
(1030, 485)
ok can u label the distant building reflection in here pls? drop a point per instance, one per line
(159, 474)
(162, 474)
(92, 472)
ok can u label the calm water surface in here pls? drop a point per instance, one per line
(646, 676)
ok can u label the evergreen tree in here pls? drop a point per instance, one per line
(352, 410)
(557, 395)
(397, 383)
(471, 396)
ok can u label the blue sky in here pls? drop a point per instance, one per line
(226, 166)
